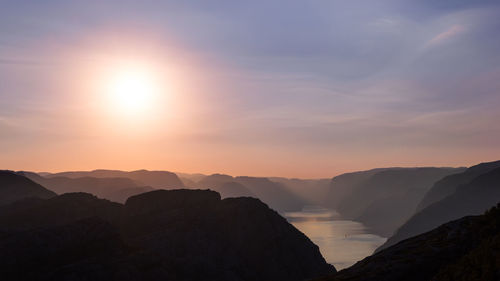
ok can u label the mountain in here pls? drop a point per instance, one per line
(158, 235)
(15, 187)
(448, 185)
(464, 249)
(272, 193)
(88, 249)
(121, 195)
(313, 191)
(233, 189)
(33, 213)
(196, 177)
(154, 179)
(469, 199)
(214, 180)
(343, 185)
(114, 189)
(387, 198)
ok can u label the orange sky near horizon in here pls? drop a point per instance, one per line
(81, 128)
(216, 91)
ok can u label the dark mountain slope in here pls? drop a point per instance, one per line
(449, 184)
(73, 251)
(59, 210)
(465, 249)
(470, 199)
(14, 187)
(159, 235)
(246, 240)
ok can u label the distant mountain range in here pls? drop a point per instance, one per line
(280, 193)
(276, 194)
(154, 179)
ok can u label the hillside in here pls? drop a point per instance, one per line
(449, 184)
(465, 249)
(388, 197)
(470, 199)
(159, 235)
(15, 187)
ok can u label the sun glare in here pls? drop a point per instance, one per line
(133, 90)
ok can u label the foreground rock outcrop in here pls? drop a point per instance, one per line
(159, 235)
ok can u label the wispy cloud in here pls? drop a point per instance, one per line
(447, 35)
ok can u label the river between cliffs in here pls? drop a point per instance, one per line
(341, 242)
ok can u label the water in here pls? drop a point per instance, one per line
(341, 242)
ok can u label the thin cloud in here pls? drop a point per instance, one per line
(446, 35)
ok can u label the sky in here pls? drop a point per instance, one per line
(265, 88)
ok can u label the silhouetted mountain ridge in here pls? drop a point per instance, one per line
(158, 235)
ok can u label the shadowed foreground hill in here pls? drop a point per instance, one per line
(470, 199)
(14, 187)
(159, 235)
(465, 249)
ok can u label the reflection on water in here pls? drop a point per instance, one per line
(341, 242)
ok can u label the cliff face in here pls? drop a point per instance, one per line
(383, 199)
(465, 249)
(472, 198)
(448, 185)
(159, 235)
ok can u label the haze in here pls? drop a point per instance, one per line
(264, 88)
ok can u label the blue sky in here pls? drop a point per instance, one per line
(294, 88)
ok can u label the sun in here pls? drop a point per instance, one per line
(132, 89)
